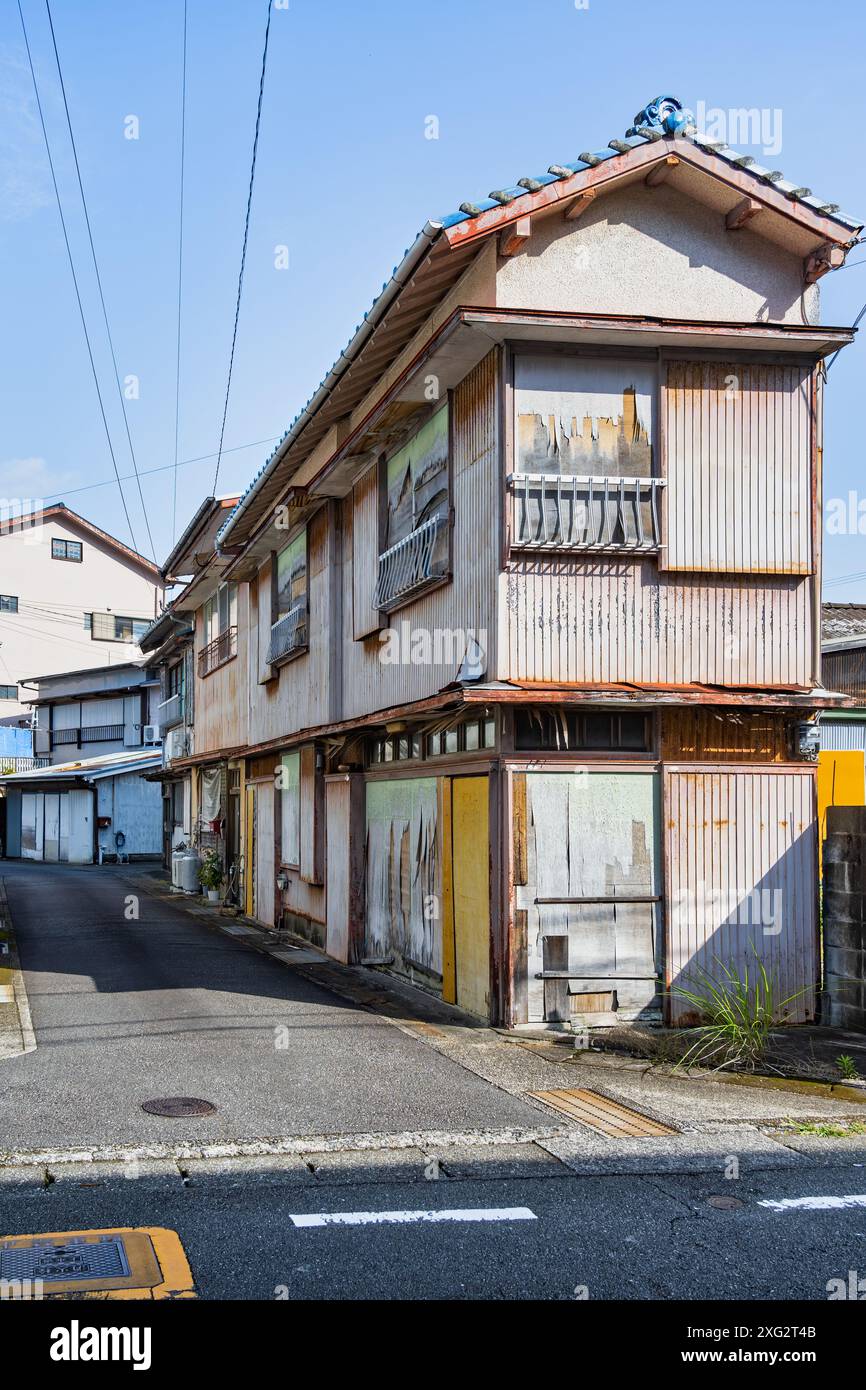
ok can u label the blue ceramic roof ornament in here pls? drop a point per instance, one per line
(665, 114)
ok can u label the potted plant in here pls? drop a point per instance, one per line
(210, 875)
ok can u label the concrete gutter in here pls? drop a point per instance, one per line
(16, 1026)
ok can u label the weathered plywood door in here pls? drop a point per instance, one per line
(265, 854)
(587, 887)
(742, 865)
(470, 890)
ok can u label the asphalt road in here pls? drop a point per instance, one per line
(610, 1237)
(128, 1009)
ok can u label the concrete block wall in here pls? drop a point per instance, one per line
(845, 916)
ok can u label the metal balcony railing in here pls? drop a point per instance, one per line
(411, 563)
(170, 712)
(102, 733)
(554, 511)
(218, 652)
(14, 764)
(288, 633)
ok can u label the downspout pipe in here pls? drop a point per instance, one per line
(401, 276)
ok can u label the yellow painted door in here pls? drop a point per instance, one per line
(470, 856)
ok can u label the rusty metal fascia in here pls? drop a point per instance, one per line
(626, 167)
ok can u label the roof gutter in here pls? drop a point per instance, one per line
(402, 274)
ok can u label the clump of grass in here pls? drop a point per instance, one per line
(737, 1013)
(848, 1067)
(829, 1131)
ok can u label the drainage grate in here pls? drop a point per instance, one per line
(177, 1107)
(605, 1116)
(57, 1263)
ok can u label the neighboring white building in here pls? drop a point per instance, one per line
(71, 597)
(94, 712)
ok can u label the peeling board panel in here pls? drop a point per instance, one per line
(590, 835)
(738, 464)
(608, 621)
(741, 878)
(723, 736)
(365, 551)
(404, 875)
(585, 417)
(471, 892)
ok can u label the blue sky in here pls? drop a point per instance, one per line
(345, 179)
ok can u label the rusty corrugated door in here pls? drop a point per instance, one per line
(741, 867)
(737, 457)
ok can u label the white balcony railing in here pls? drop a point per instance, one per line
(554, 511)
(288, 633)
(170, 711)
(411, 564)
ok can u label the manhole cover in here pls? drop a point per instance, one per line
(177, 1107)
(75, 1259)
(725, 1203)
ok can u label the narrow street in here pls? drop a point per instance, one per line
(357, 1161)
(129, 1010)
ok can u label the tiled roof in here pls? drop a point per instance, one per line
(664, 116)
(843, 620)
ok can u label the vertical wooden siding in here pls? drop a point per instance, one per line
(604, 621)
(741, 871)
(365, 553)
(737, 450)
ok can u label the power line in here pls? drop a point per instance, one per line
(74, 276)
(163, 468)
(838, 350)
(244, 251)
(98, 277)
(179, 279)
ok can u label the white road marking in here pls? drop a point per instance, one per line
(375, 1218)
(816, 1203)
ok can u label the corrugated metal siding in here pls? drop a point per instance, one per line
(843, 735)
(737, 459)
(365, 553)
(467, 603)
(607, 621)
(731, 834)
(845, 671)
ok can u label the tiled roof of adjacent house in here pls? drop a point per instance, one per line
(843, 620)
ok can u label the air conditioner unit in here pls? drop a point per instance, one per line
(177, 744)
(150, 733)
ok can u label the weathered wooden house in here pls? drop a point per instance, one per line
(520, 654)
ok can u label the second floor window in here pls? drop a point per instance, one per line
(219, 629)
(415, 548)
(289, 626)
(584, 432)
(114, 627)
(8, 603)
(8, 692)
(66, 550)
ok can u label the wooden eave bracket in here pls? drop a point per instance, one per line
(513, 239)
(827, 257)
(578, 205)
(743, 213)
(660, 172)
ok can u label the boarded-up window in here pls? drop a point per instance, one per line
(291, 576)
(738, 466)
(290, 809)
(417, 480)
(587, 419)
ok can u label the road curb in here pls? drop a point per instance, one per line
(16, 1037)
